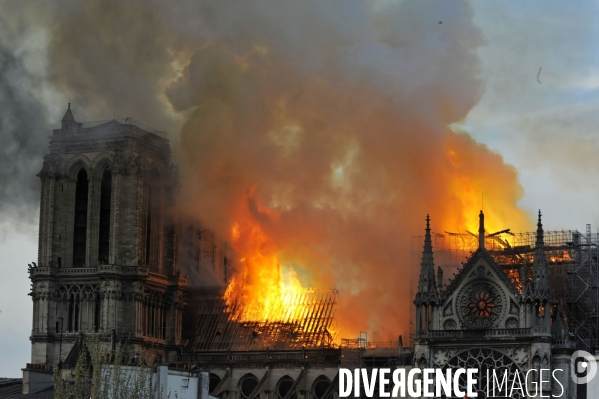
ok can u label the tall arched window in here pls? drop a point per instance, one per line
(104, 233)
(80, 227)
(153, 222)
(73, 313)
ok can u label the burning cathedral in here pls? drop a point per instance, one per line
(114, 260)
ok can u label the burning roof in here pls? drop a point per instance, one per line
(212, 324)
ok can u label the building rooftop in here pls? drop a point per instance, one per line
(13, 388)
(116, 123)
(70, 125)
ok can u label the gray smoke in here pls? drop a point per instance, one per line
(23, 139)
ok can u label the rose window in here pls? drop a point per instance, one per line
(480, 304)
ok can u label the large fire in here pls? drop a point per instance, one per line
(276, 301)
(263, 289)
(266, 287)
(265, 293)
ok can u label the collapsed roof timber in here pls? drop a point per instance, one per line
(211, 326)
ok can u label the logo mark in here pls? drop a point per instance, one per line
(583, 367)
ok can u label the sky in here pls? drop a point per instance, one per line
(520, 79)
(546, 130)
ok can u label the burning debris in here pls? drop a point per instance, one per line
(307, 322)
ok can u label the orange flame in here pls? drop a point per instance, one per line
(562, 256)
(263, 289)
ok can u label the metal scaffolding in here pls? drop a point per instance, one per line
(572, 261)
(309, 326)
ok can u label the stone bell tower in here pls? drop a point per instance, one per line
(107, 259)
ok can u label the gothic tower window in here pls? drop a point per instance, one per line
(153, 222)
(104, 233)
(73, 313)
(96, 312)
(152, 322)
(80, 228)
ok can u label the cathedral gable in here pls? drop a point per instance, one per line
(480, 297)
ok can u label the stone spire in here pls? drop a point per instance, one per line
(540, 233)
(481, 230)
(539, 268)
(68, 120)
(427, 266)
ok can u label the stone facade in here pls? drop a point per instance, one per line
(483, 320)
(107, 255)
(288, 374)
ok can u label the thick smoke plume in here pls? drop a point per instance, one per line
(319, 136)
(315, 136)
